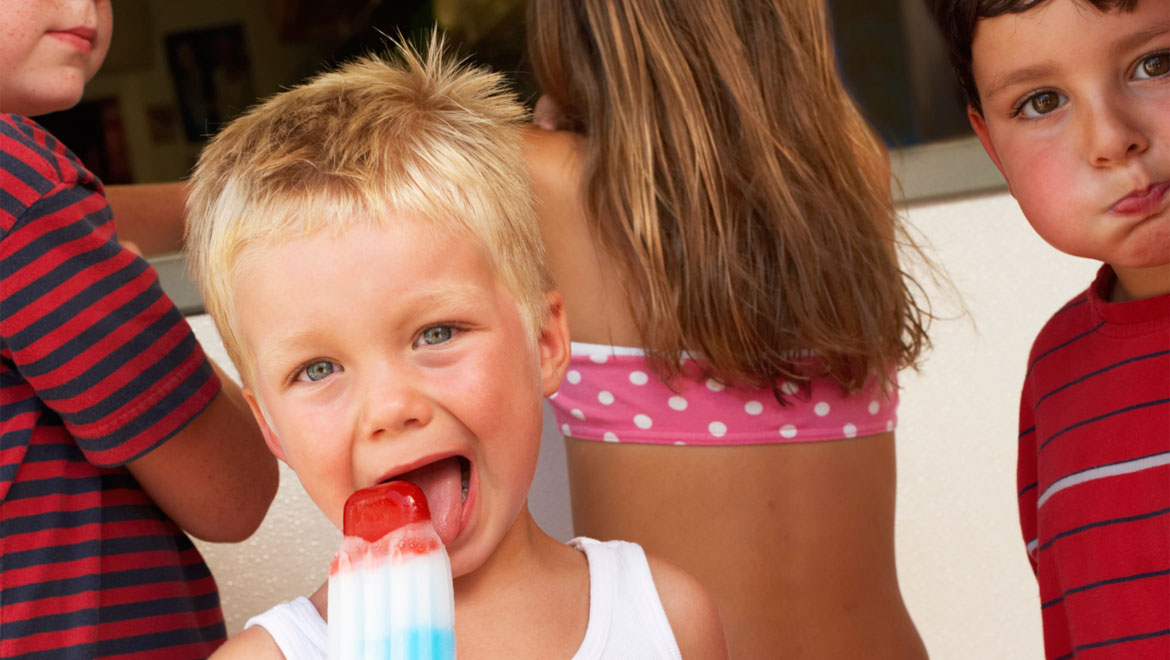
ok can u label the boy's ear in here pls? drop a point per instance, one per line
(979, 124)
(270, 438)
(553, 344)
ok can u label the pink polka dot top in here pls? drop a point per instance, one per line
(610, 394)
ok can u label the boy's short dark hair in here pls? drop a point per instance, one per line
(956, 20)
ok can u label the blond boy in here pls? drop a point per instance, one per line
(367, 247)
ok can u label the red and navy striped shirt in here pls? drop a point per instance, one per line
(1094, 476)
(97, 368)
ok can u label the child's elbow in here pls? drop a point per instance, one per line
(261, 494)
(214, 478)
(243, 510)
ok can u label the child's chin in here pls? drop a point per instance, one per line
(465, 561)
(471, 550)
(62, 97)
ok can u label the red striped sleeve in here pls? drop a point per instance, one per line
(96, 366)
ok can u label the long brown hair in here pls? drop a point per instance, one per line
(728, 170)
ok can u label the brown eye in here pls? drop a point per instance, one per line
(1038, 104)
(1154, 66)
(1044, 102)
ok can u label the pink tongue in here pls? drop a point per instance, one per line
(442, 483)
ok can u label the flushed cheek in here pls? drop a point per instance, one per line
(324, 473)
(495, 386)
(501, 422)
(1026, 150)
(511, 450)
(313, 437)
(1043, 172)
(1062, 229)
(1052, 196)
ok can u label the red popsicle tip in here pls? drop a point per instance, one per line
(373, 512)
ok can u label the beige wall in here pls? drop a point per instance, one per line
(960, 558)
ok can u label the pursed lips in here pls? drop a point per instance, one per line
(1141, 202)
(80, 37)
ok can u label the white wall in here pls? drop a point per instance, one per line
(961, 560)
(960, 557)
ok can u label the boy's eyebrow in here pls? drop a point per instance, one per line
(1018, 76)
(1140, 37)
(1122, 45)
(449, 294)
(285, 348)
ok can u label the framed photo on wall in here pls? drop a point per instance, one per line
(212, 74)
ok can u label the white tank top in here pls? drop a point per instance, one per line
(626, 619)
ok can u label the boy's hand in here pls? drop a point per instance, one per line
(130, 246)
(150, 215)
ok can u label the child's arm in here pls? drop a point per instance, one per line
(255, 642)
(150, 215)
(98, 343)
(691, 612)
(215, 478)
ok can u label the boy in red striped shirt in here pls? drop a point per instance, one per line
(115, 431)
(1071, 99)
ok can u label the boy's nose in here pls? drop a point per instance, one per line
(1115, 133)
(392, 404)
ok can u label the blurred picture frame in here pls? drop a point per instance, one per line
(212, 74)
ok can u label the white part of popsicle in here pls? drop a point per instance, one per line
(390, 605)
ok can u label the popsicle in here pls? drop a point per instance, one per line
(390, 593)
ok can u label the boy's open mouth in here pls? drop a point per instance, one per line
(445, 483)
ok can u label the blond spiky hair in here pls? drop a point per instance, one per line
(421, 136)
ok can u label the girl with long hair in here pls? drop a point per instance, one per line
(719, 220)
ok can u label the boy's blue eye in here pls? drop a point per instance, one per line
(1154, 65)
(437, 334)
(318, 370)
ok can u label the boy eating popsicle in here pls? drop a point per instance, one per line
(367, 247)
